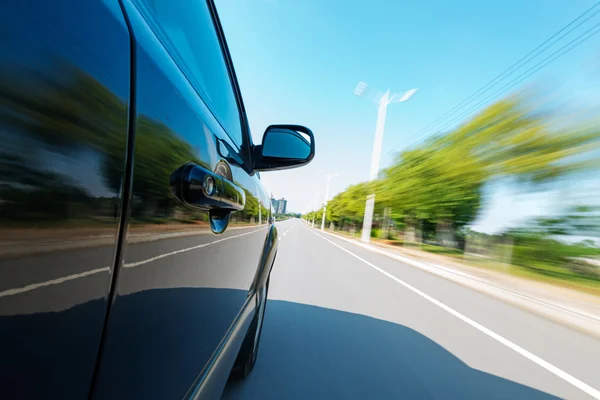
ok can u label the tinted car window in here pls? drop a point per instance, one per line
(186, 29)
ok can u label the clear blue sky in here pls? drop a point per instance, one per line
(299, 62)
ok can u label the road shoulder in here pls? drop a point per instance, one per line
(559, 304)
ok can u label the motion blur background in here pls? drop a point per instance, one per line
(495, 159)
(483, 186)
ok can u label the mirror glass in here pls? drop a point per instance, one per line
(286, 143)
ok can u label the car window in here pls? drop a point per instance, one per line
(187, 30)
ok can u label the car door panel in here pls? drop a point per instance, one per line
(182, 290)
(64, 90)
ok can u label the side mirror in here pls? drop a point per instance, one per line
(283, 147)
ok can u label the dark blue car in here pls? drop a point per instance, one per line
(137, 238)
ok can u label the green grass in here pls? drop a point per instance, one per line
(542, 273)
(430, 248)
(536, 271)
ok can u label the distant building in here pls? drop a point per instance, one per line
(282, 206)
(279, 205)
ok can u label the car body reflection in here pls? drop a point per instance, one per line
(65, 89)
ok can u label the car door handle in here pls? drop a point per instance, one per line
(200, 188)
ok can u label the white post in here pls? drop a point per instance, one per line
(329, 176)
(314, 209)
(366, 231)
(375, 158)
(259, 210)
(325, 203)
(361, 90)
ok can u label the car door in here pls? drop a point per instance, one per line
(64, 95)
(184, 278)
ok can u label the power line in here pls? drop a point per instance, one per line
(526, 75)
(520, 63)
(528, 57)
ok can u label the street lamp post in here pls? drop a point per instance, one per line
(314, 209)
(329, 176)
(382, 101)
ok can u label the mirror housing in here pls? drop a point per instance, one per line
(284, 147)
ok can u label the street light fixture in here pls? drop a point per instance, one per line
(382, 100)
(329, 176)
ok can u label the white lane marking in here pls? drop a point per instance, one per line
(172, 253)
(286, 232)
(426, 266)
(532, 357)
(33, 286)
(289, 229)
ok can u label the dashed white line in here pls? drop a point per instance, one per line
(289, 229)
(530, 356)
(33, 286)
(286, 232)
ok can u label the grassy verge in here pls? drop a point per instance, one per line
(540, 272)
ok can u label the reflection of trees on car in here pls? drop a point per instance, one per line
(70, 116)
(23, 185)
(254, 211)
(158, 152)
(250, 212)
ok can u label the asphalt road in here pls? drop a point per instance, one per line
(343, 322)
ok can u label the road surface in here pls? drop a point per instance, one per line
(343, 322)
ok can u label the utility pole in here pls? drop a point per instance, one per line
(314, 210)
(382, 101)
(329, 176)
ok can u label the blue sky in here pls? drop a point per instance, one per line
(299, 62)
